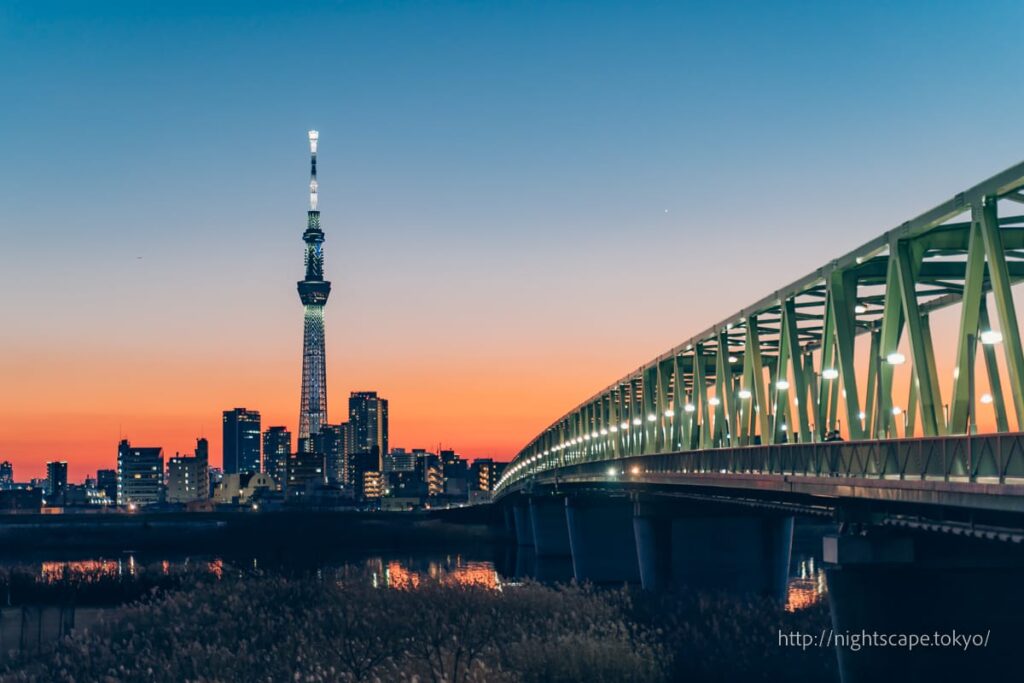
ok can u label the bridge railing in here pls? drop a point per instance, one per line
(988, 458)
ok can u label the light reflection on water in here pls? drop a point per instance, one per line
(806, 585)
(393, 573)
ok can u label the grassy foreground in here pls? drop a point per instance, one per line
(273, 629)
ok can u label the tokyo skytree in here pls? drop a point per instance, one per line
(313, 291)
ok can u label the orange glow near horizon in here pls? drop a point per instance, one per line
(482, 405)
(480, 384)
(75, 404)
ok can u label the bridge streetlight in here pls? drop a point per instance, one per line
(990, 337)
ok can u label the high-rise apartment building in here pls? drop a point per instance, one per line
(56, 481)
(140, 474)
(368, 420)
(241, 441)
(333, 443)
(6, 475)
(277, 446)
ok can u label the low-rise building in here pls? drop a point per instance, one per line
(305, 471)
(243, 488)
(187, 479)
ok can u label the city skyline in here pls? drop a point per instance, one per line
(466, 236)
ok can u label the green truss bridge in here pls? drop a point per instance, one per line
(833, 396)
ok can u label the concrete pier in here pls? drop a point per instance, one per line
(550, 528)
(601, 538)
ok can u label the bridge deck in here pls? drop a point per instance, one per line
(984, 473)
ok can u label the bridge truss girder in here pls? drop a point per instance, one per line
(784, 370)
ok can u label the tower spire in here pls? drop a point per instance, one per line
(313, 137)
(313, 292)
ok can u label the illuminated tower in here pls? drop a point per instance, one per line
(313, 290)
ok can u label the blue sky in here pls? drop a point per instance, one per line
(522, 184)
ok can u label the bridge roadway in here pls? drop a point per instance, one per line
(966, 484)
(690, 469)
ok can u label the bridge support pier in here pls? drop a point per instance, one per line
(509, 519)
(925, 586)
(682, 545)
(524, 525)
(550, 528)
(601, 539)
(653, 536)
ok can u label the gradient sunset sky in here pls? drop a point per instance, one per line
(522, 201)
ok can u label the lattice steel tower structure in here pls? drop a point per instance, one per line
(313, 291)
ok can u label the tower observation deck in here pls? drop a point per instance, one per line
(313, 292)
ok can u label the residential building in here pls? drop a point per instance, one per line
(333, 442)
(277, 446)
(428, 469)
(400, 460)
(243, 489)
(85, 496)
(140, 474)
(368, 420)
(241, 441)
(456, 474)
(484, 474)
(188, 478)
(106, 481)
(360, 465)
(56, 482)
(304, 471)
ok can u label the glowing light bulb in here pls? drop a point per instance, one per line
(990, 337)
